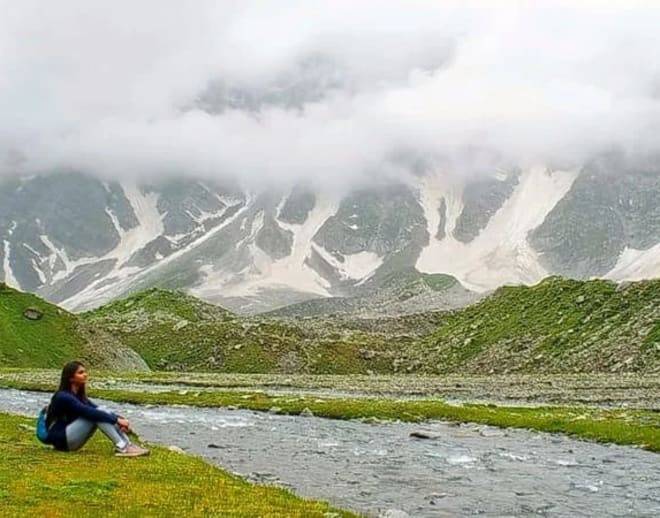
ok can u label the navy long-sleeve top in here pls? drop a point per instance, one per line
(66, 407)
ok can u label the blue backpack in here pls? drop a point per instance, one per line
(42, 428)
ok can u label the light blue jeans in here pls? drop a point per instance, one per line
(81, 430)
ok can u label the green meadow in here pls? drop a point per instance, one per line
(36, 480)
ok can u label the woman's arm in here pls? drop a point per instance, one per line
(74, 406)
(94, 405)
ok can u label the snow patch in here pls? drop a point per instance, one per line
(635, 265)
(203, 216)
(280, 206)
(354, 266)
(115, 220)
(264, 273)
(28, 247)
(228, 201)
(500, 254)
(40, 273)
(10, 279)
(175, 239)
(150, 227)
(57, 253)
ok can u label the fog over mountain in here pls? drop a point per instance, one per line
(311, 90)
(411, 155)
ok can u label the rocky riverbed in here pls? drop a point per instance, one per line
(428, 470)
(601, 390)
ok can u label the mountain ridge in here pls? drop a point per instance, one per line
(81, 242)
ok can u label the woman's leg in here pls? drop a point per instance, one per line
(81, 430)
(114, 433)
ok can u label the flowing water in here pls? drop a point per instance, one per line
(459, 470)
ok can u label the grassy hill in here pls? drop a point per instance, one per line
(56, 337)
(175, 331)
(558, 325)
(52, 340)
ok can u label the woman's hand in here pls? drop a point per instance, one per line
(123, 424)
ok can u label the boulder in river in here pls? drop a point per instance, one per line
(421, 434)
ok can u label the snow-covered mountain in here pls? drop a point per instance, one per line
(80, 242)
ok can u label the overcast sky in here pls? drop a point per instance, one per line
(305, 89)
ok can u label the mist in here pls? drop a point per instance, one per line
(313, 91)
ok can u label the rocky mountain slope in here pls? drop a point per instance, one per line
(399, 293)
(81, 242)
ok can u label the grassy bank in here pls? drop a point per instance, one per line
(632, 427)
(93, 482)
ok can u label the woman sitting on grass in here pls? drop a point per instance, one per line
(72, 418)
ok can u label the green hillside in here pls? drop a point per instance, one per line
(48, 342)
(409, 277)
(55, 338)
(175, 331)
(558, 325)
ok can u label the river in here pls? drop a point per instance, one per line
(459, 470)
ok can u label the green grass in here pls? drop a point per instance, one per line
(175, 332)
(633, 427)
(558, 325)
(51, 341)
(155, 300)
(36, 480)
(410, 276)
(652, 340)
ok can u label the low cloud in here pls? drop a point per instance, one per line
(315, 90)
